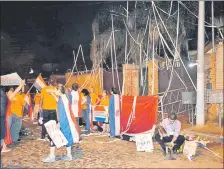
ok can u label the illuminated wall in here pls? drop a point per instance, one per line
(130, 80)
(153, 77)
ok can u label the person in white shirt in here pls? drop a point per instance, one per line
(172, 127)
(74, 98)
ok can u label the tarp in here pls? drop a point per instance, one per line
(144, 116)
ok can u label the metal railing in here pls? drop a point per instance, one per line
(172, 103)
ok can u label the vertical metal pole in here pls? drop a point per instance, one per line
(213, 32)
(200, 109)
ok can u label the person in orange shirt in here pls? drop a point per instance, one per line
(17, 107)
(94, 98)
(105, 99)
(36, 104)
(48, 106)
(8, 119)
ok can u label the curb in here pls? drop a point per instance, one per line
(211, 137)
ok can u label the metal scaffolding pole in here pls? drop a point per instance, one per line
(200, 106)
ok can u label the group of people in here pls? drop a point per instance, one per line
(68, 107)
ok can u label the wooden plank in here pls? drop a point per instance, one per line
(131, 80)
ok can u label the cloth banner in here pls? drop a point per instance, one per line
(144, 115)
(100, 113)
(87, 81)
(55, 133)
(12, 79)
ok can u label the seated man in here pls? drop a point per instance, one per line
(172, 127)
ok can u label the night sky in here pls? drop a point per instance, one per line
(50, 30)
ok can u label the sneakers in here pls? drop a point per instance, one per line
(67, 158)
(6, 150)
(49, 159)
(44, 139)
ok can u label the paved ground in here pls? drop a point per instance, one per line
(101, 152)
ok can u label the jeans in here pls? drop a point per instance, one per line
(85, 113)
(16, 124)
(180, 140)
(47, 116)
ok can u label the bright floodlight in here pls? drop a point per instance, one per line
(192, 64)
(31, 71)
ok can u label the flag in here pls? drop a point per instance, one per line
(67, 121)
(39, 83)
(28, 106)
(8, 138)
(114, 115)
(138, 115)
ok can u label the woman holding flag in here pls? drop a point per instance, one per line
(67, 122)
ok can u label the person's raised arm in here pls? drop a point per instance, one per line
(11, 95)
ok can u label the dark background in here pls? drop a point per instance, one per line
(50, 31)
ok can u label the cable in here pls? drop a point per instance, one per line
(174, 45)
(118, 80)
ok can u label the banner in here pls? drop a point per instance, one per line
(12, 79)
(88, 80)
(144, 117)
(100, 113)
(130, 80)
(144, 142)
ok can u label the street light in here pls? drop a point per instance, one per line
(31, 71)
(192, 64)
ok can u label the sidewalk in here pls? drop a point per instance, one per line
(210, 131)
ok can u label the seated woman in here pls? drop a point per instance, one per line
(68, 125)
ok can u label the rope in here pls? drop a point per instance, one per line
(165, 93)
(107, 141)
(131, 116)
(154, 7)
(118, 80)
(83, 59)
(112, 62)
(75, 60)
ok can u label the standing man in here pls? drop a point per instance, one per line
(75, 101)
(17, 108)
(172, 127)
(48, 106)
